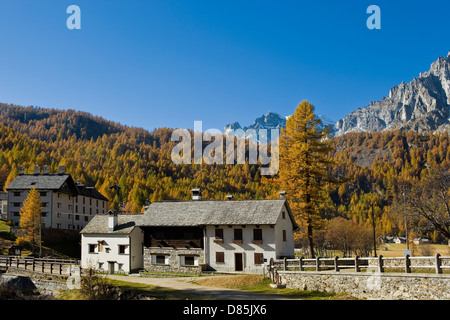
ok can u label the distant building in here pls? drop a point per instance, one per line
(66, 204)
(3, 205)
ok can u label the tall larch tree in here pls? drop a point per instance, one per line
(304, 167)
(30, 218)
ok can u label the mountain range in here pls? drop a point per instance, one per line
(272, 120)
(422, 105)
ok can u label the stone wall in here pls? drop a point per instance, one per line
(372, 286)
(174, 260)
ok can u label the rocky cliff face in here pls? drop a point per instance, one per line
(422, 105)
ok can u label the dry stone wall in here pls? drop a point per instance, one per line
(372, 285)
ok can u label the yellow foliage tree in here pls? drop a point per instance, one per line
(30, 218)
(304, 166)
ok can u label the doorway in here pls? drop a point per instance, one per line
(238, 265)
(111, 267)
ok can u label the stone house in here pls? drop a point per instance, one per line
(192, 236)
(66, 204)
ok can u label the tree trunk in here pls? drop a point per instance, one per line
(310, 240)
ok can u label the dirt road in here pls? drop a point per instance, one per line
(213, 293)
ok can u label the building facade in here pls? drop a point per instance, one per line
(66, 204)
(112, 243)
(193, 236)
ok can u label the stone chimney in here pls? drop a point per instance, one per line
(37, 170)
(196, 194)
(113, 217)
(21, 170)
(46, 169)
(282, 195)
(61, 170)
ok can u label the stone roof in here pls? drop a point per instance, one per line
(61, 182)
(214, 212)
(99, 224)
(40, 181)
(90, 192)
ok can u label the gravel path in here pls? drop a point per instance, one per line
(214, 293)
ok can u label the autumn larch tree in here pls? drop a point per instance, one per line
(304, 167)
(30, 218)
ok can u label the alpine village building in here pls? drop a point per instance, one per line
(66, 204)
(191, 236)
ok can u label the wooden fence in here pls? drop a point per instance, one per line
(66, 267)
(356, 264)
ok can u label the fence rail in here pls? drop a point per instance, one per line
(49, 266)
(380, 263)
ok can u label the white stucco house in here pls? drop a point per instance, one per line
(192, 236)
(112, 243)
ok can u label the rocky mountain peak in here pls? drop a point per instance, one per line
(422, 105)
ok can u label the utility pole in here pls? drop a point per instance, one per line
(374, 236)
(406, 218)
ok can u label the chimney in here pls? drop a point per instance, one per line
(112, 220)
(46, 169)
(196, 194)
(229, 197)
(61, 170)
(282, 195)
(21, 170)
(37, 170)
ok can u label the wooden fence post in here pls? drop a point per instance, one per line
(336, 266)
(318, 264)
(438, 264)
(300, 263)
(357, 269)
(285, 264)
(272, 269)
(380, 263)
(407, 264)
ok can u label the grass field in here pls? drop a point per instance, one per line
(396, 249)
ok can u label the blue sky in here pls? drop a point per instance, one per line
(161, 63)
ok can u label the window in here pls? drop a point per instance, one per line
(123, 249)
(283, 214)
(259, 258)
(92, 248)
(284, 235)
(160, 259)
(44, 204)
(16, 204)
(43, 193)
(58, 205)
(43, 214)
(86, 218)
(257, 236)
(237, 236)
(189, 260)
(219, 236)
(77, 217)
(16, 214)
(220, 257)
(16, 194)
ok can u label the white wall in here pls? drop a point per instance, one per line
(130, 260)
(284, 248)
(247, 248)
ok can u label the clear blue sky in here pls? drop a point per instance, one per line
(161, 63)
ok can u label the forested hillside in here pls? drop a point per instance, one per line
(102, 153)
